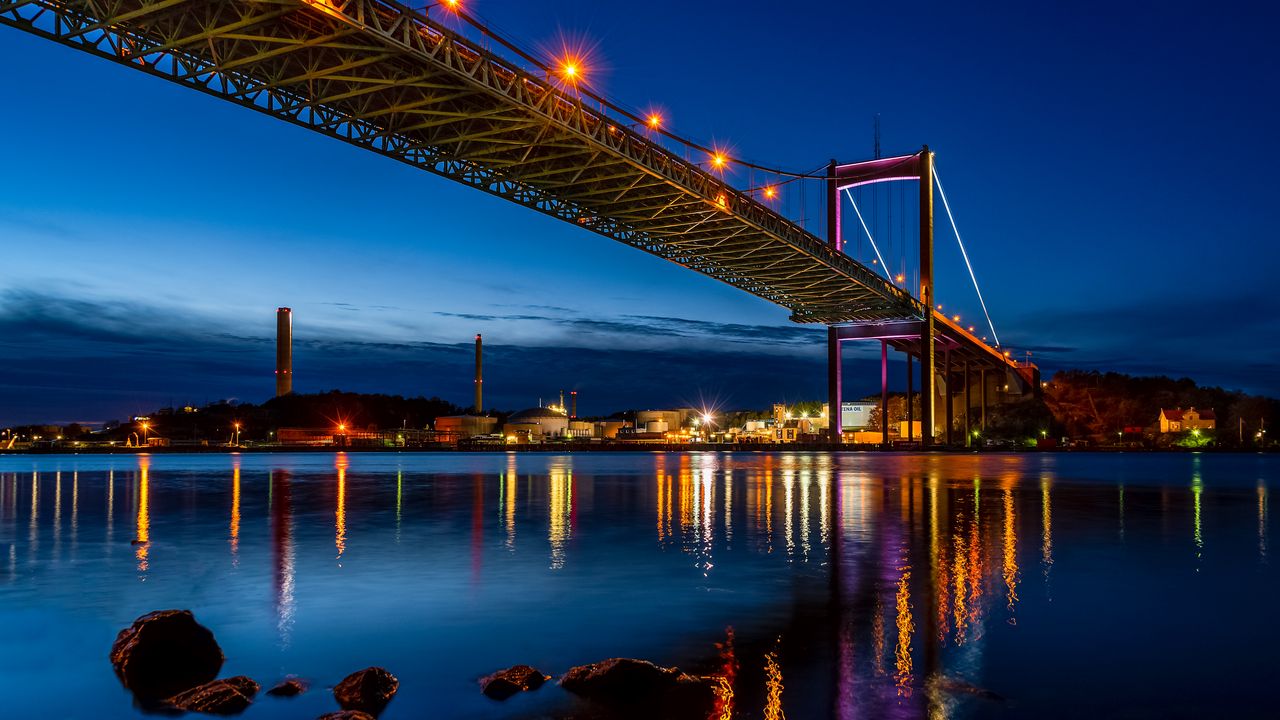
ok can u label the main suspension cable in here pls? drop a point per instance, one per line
(965, 254)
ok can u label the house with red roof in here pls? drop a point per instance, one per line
(1179, 420)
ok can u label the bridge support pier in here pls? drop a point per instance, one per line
(983, 401)
(834, 365)
(927, 350)
(911, 414)
(950, 406)
(968, 406)
(884, 394)
(834, 377)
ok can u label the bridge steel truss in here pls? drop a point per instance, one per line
(386, 78)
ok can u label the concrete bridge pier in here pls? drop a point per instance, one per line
(834, 359)
(927, 350)
(968, 406)
(884, 393)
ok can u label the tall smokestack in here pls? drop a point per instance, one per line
(284, 351)
(479, 378)
(573, 413)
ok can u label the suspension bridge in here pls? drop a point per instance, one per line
(401, 83)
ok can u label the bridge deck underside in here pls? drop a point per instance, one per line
(382, 77)
(949, 337)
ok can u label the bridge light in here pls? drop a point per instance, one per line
(955, 318)
(718, 160)
(570, 70)
(901, 278)
(770, 192)
(654, 121)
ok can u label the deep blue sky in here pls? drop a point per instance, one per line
(1112, 167)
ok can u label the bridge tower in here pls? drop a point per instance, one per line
(928, 351)
(920, 167)
(834, 357)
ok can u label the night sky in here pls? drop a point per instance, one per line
(1112, 169)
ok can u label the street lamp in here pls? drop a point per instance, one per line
(145, 427)
(449, 4)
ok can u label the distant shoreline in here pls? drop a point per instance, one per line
(560, 449)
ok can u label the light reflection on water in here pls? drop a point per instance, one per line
(876, 585)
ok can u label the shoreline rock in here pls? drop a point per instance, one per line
(289, 687)
(220, 697)
(164, 653)
(642, 689)
(367, 690)
(515, 679)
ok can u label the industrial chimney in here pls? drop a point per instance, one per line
(573, 395)
(284, 351)
(479, 378)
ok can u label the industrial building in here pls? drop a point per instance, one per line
(284, 351)
(455, 428)
(463, 427)
(537, 425)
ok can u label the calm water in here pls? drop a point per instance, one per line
(850, 586)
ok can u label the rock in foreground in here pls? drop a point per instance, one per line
(347, 715)
(518, 678)
(642, 689)
(289, 687)
(220, 697)
(164, 653)
(367, 690)
(619, 678)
